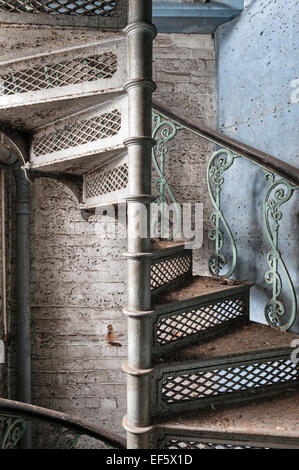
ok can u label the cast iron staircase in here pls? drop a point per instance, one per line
(207, 359)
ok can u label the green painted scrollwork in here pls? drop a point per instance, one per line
(11, 431)
(163, 132)
(278, 193)
(219, 163)
(65, 438)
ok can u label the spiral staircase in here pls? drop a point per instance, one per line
(200, 373)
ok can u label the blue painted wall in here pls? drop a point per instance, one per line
(257, 57)
(181, 16)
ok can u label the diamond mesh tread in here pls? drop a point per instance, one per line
(79, 133)
(63, 7)
(189, 443)
(194, 320)
(266, 417)
(225, 380)
(63, 73)
(166, 270)
(104, 181)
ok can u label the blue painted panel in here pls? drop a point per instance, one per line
(173, 17)
(256, 67)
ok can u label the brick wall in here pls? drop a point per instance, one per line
(78, 274)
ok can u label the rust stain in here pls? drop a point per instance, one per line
(111, 337)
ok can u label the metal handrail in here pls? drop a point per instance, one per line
(82, 427)
(267, 161)
(282, 181)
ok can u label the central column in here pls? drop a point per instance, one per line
(140, 33)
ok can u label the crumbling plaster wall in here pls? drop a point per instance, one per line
(257, 103)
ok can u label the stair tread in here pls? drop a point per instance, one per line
(41, 114)
(242, 339)
(158, 244)
(196, 286)
(31, 41)
(262, 417)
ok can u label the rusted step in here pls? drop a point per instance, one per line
(246, 338)
(252, 360)
(159, 245)
(197, 286)
(198, 309)
(267, 423)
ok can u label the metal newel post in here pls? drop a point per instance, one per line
(140, 34)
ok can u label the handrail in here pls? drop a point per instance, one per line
(267, 161)
(32, 412)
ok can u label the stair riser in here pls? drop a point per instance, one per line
(83, 141)
(18, 12)
(186, 439)
(188, 386)
(107, 184)
(67, 74)
(169, 271)
(196, 320)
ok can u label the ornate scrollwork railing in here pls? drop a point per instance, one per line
(164, 131)
(65, 430)
(221, 161)
(279, 192)
(12, 430)
(283, 180)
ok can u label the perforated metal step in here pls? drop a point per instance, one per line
(252, 360)
(197, 309)
(106, 185)
(82, 142)
(39, 89)
(171, 264)
(267, 423)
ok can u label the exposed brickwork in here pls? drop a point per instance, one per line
(184, 72)
(78, 274)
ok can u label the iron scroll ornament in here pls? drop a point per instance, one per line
(163, 132)
(12, 430)
(221, 161)
(278, 193)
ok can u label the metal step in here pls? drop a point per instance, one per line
(41, 88)
(82, 142)
(254, 425)
(102, 14)
(171, 263)
(198, 309)
(106, 185)
(253, 360)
